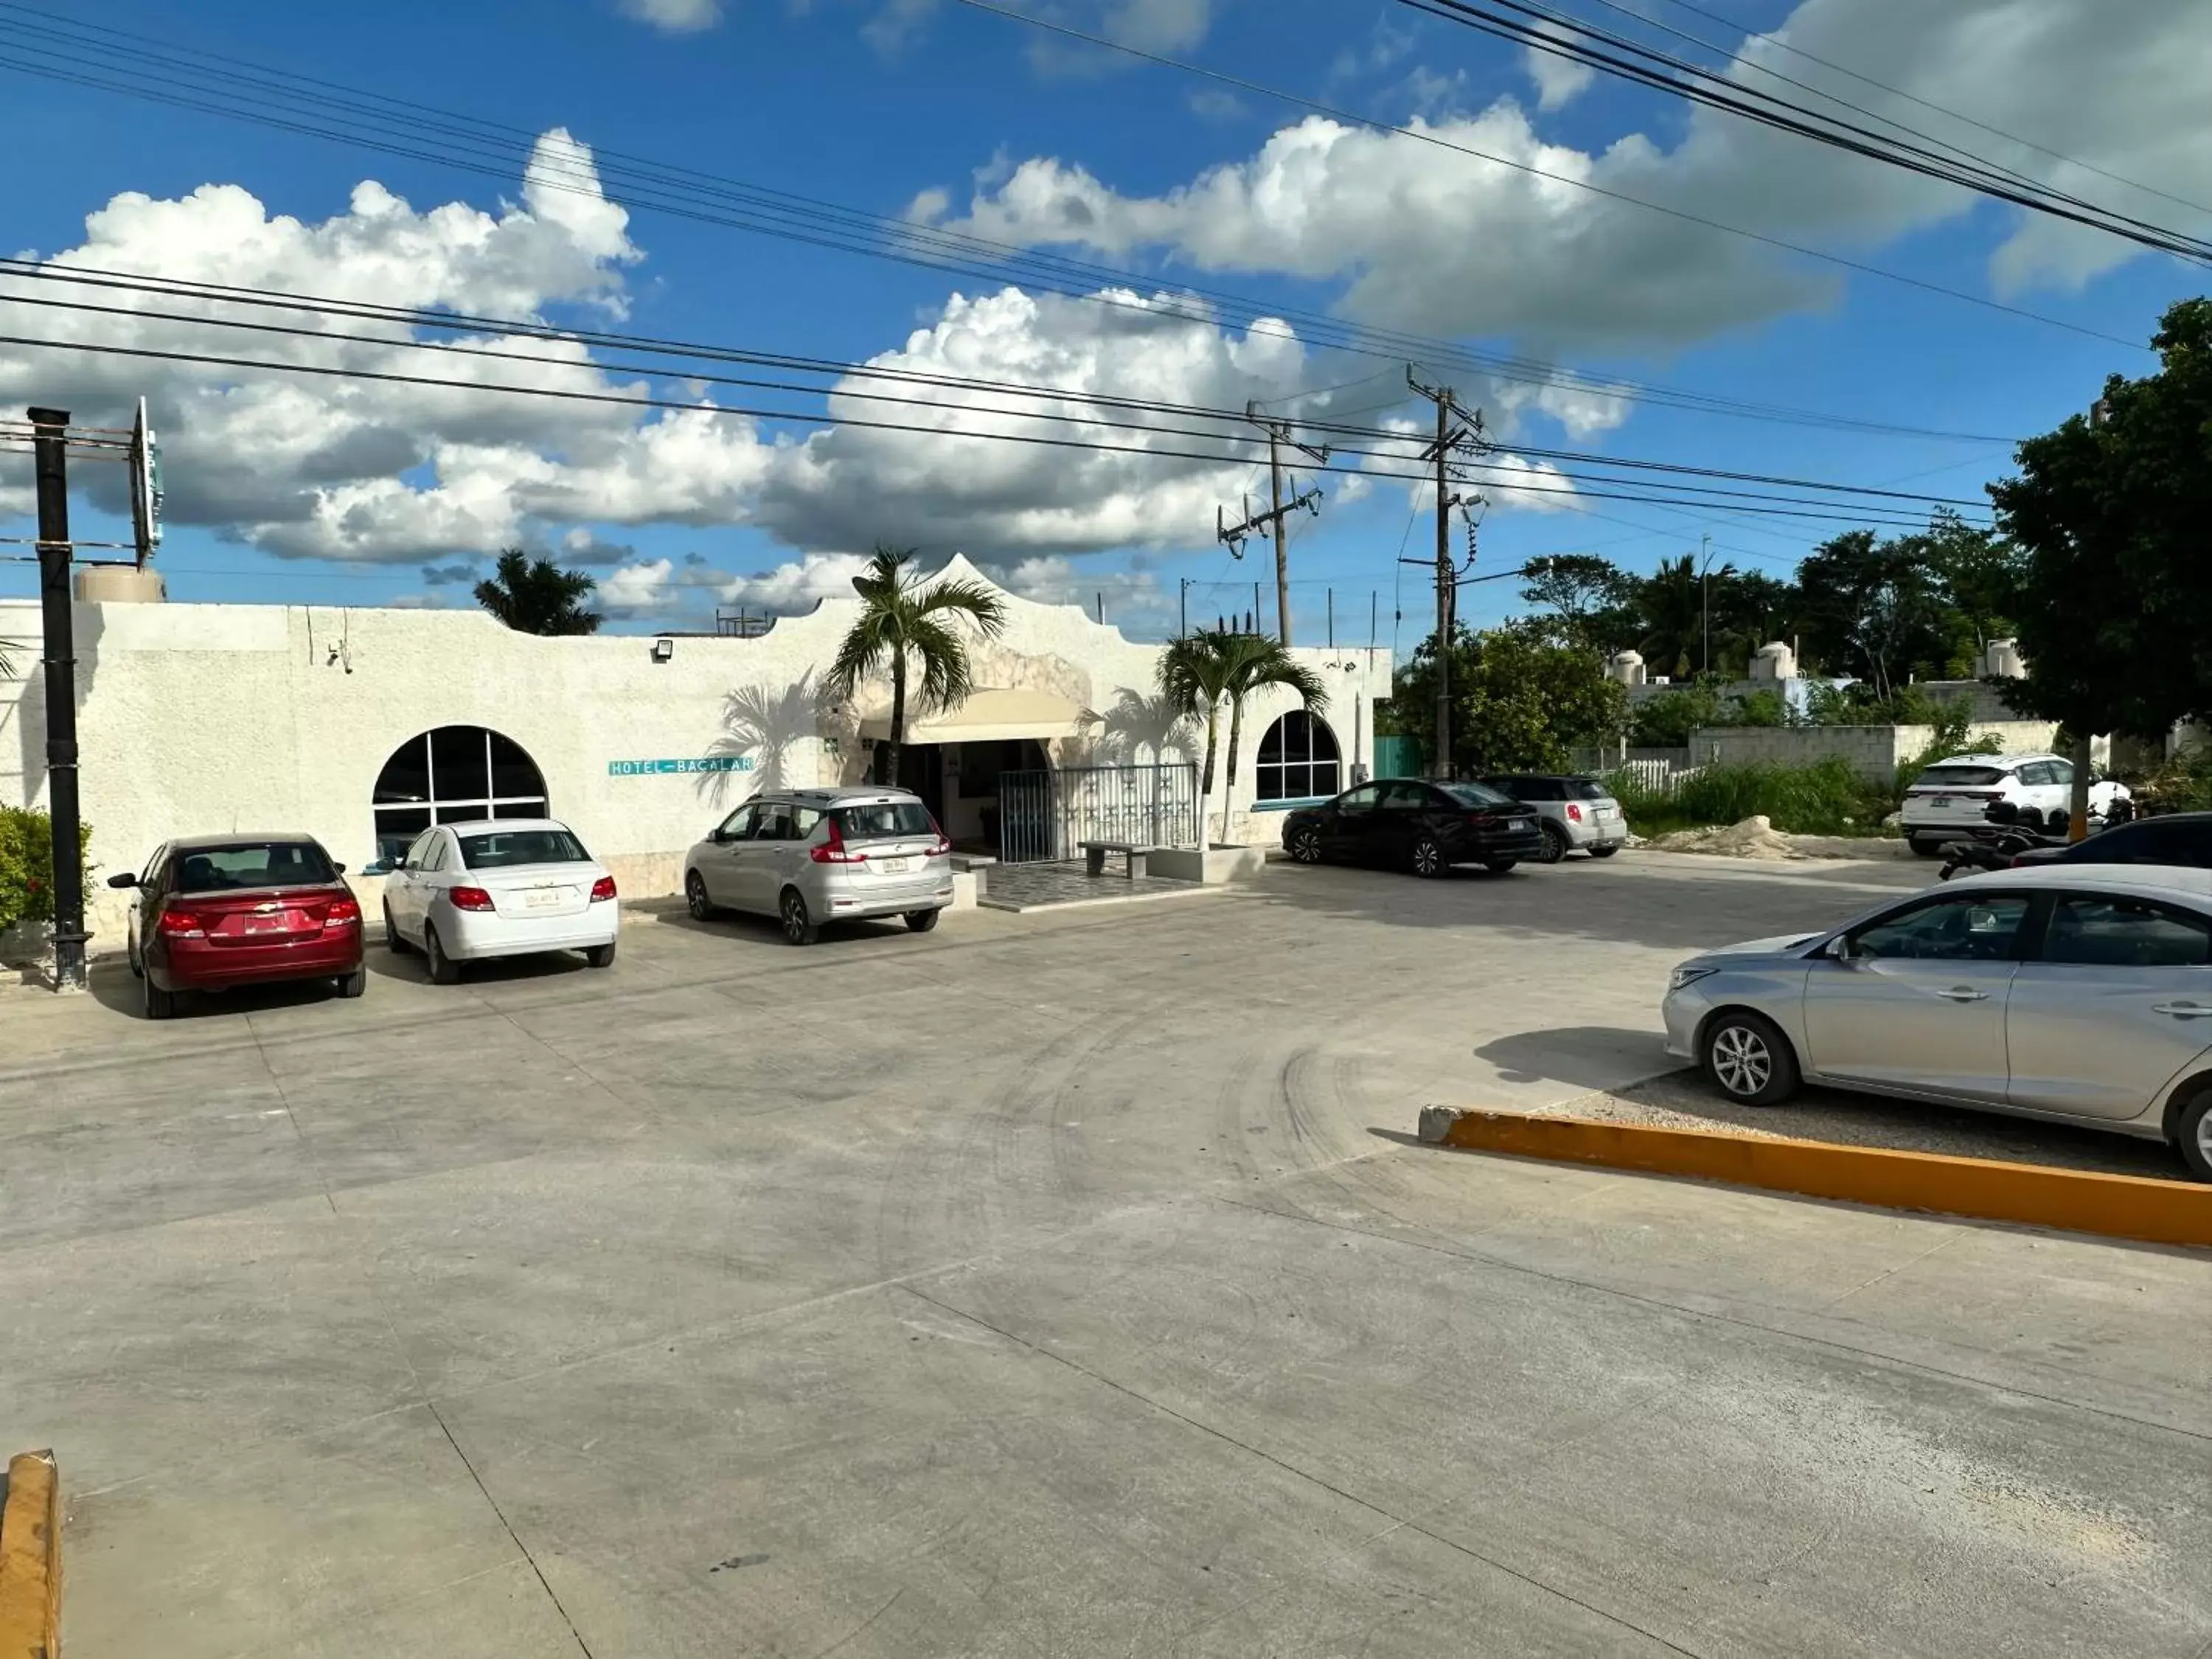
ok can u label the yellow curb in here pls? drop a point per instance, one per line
(31, 1559)
(2078, 1200)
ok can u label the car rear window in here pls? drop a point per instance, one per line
(1585, 789)
(1963, 776)
(885, 821)
(1478, 794)
(503, 850)
(237, 866)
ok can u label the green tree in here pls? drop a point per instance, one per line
(1523, 694)
(1979, 573)
(1199, 672)
(1593, 598)
(536, 596)
(1877, 611)
(1672, 603)
(907, 619)
(2114, 595)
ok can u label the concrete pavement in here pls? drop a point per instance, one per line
(1050, 1286)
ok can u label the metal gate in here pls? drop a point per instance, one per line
(1050, 814)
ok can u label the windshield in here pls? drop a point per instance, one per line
(1478, 794)
(887, 821)
(503, 850)
(250, 864)
(1961, 777)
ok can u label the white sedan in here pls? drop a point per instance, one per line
(511, 887)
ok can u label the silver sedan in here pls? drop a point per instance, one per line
(2081, 993)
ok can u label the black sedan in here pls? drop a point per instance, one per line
(2177, 838)
(1409, 823)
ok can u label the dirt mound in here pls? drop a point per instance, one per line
(1756, 837)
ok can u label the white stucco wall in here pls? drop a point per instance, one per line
(197, 718)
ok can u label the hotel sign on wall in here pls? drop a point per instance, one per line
(639, 768)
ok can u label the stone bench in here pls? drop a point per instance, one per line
(1132, 853)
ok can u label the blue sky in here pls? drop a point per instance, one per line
(872, 103)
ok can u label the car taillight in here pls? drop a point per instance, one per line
(470, 898)
(603, 888)
(1483, 820)
(832, 849)
(181, 924)
(343, 913)
(942, 845)
(1574, 813)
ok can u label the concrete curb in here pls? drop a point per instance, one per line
(31, 1559)
(2077, 1201)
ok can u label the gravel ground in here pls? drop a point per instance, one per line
(1685, 1100)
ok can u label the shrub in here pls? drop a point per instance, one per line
(1825, 798)
(26, 865)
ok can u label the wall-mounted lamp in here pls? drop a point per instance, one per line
(664, 650)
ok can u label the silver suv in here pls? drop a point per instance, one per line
(1572, 810)
(808, 856)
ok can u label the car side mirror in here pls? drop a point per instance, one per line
(375, 867)
(128, 878)
(340, 868)
(1838, 949)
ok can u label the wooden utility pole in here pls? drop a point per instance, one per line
(1278, 434)
(1449, 439)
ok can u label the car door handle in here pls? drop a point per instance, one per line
(1964, 993)
(2183, 1010)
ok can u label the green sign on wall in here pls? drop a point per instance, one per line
(639, 768)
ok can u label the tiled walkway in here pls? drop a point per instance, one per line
(1035, 886)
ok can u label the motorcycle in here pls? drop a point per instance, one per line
(1994, 848)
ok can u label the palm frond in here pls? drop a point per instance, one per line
(974, 599)
(946, 679)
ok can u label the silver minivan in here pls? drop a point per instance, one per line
(808, 856)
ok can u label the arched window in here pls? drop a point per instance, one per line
(1299, 759)
(449, 775)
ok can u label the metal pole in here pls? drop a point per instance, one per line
(1443, 765)
(1282, 533)
(1332, 620)
(50, 446)
(1373, 612)
(1704, 595)
(1182, 609)
(1256, 612)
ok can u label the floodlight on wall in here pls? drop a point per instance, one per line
(664, 650)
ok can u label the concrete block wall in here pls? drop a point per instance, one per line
(1875, 752)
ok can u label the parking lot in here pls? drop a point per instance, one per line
(1063, 1283)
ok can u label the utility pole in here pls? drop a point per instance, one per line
(1449, 439)
(1705, 594)
(1278, 434)
(50, 444)
(1182, 608)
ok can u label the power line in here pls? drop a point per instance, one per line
(1336, 114)
(498, 149)
(1572, 459)
(1562, 35)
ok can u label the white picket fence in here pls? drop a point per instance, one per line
(1657, 771)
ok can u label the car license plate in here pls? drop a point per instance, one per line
(276, 923)
(894, 867)
(541, 898)
(1519, 824)
(1940, 801)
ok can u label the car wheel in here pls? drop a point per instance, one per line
(1606, 850)
(1926, 849)
(600, 956)
(444, 970)
(130, 956)
(1747, 1056)
(1555, 844)
(921, 921)
(396, 946)
(353, 984)
(2192, 1135)
(1305, 845)
(1499, 866)
(695, 895)
(159, 1004)
(799, 927)
(1428, 858)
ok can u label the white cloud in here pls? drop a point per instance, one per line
(1133, 600)
(635, 587)
(675, 16)
(1435, 241)
(798, 585)
(1559, 81)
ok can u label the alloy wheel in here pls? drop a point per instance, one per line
(1428, 857)
(797, 927)
(2204, 1141)
(1555, 846)
(1305, 847)
(1742, 1061)
(695, 895)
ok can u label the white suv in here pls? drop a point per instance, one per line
(1950, 800)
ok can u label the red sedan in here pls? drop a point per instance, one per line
(217, 911)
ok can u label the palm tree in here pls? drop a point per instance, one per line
(902, 616)
(537, 597)
(1200, 672)
(1135, 723)
(8, 648)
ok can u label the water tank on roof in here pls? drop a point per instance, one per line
(1627, 667)
(2002, 661)
(1774, 661)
